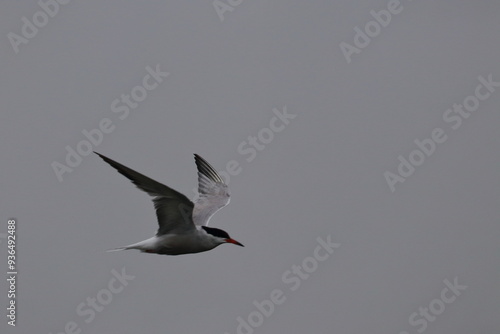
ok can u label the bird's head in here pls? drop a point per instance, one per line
(221, 236)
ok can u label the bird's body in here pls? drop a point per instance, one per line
(182, 224)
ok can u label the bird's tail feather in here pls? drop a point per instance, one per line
(144, 245)
(117, 249)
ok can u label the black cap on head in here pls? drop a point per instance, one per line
(216, 232)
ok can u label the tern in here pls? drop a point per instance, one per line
(182, 224)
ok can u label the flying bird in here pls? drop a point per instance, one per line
(182, 224)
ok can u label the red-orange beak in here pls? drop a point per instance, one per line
(232, 241)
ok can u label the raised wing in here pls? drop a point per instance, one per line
(173, 210)
(213, 192)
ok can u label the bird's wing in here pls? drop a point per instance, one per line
(173, 210)
(213, 192)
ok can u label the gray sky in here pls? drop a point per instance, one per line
(411, 257)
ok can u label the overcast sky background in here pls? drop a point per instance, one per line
(322, 175)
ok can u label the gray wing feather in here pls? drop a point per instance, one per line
(173, 210)
(213, 192)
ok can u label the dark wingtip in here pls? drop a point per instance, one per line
(206, 169)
